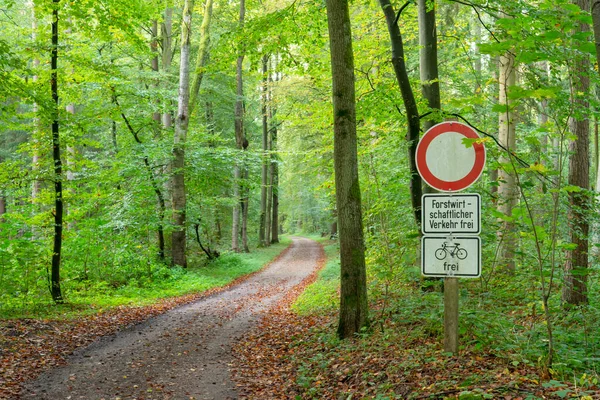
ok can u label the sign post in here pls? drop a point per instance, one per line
(450, 222)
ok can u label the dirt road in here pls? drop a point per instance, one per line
(182, 354)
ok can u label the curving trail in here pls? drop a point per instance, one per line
(182, 354)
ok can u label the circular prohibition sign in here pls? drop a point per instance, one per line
(444, 162)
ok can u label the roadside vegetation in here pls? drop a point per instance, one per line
(36, 335)
(502, 343)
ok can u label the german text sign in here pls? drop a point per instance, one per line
(451, 213)
(451, 256)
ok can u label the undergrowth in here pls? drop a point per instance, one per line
(503, 341)
(141, 286)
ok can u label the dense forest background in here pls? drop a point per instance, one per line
(168, 134)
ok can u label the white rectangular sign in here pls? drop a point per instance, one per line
(451, 256)
(451, 213)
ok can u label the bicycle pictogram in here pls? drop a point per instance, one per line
(452, 250)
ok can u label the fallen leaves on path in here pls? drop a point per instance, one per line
(30, 346)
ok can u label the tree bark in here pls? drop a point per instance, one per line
(167, 57)
(274, 191)
(507, 185)
(262, 238)
(575, 289)
(353, 298)
(2, 206)
(58, 190)
(241, 143)
(37, 184)
(156, 118)
(202, 57)
(178, 195)
(430, 85)
(410, 104)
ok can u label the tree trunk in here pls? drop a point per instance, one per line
(178, 195)
(2, 206)
(244, 205)
(262, 238)
(167, 57)
(507, 186)
(430, 85)
(202, 57)
(235, 223)
(156, 118)
(275, 195)
(575, 290)
(36, 132)
(412, 113)
(58, 191)
(241, 143)
(353, 299)
(153, 182)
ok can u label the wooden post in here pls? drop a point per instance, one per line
(451, 315)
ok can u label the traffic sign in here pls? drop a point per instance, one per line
(451, 256)
(444, 162)
(451, 213)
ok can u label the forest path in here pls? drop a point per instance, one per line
(184, 353)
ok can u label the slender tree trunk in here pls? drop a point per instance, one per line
(410, 104)
(575, 289)
(262, 237)
(235, 223)
(353, 297)
(269, 209)
(178, 195)
(58, 191)
(167, 57)
(167, 114)
(507, 189)
(244, 205)
(37, 184)
(275, 193)
(430, 85)
(241, 144)
(2, 206)
(202, 57)
(156, 118)
(153, 182)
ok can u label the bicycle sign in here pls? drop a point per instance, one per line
(452, 250)
(451, 256)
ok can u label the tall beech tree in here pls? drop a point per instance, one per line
(166, 32)
(353, 296)
(507, 184)
(410, 104)
(262, 230)
(178, 192)
(240, 210)
(58, 173)
(575, 290)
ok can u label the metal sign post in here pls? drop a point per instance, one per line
(450, 222)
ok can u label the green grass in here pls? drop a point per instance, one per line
(90, 297)
(321, 296)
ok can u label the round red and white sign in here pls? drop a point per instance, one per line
(443, 160)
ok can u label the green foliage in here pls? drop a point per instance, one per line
(129, 280)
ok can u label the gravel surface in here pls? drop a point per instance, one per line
(184, 353)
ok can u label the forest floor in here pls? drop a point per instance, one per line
(185, 353)
(244, 341)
